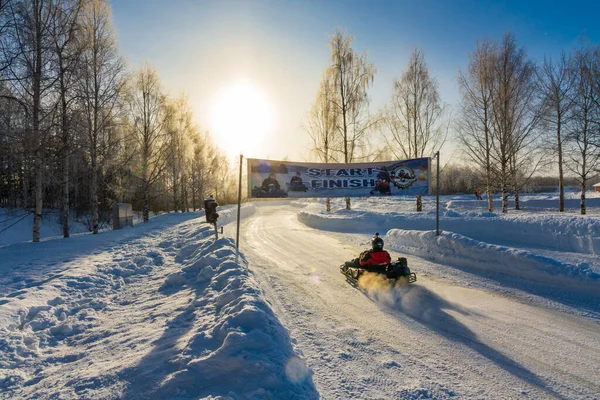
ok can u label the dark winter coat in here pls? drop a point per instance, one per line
(270, 181)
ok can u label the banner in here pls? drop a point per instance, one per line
(287, 179)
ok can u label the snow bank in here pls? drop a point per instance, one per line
(455, 249)
(228, 213)
(560, 247)
(556, 232)
(239, 349)
(161, 310)
(16, 225)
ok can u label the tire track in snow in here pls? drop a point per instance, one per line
(433, 346)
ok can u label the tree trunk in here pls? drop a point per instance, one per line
(66, 186)
(175, 196)
(37, 216)
(183, 192)
(516, 190)
(583, 209)
(65, 157)
(504, 196)
(345, 127)
(94, 190)
(490, 198)
(146, 209)
(193, 193)
(95, 133)
(37, 93)
(488, 164)
(561, 187)
(25, 180)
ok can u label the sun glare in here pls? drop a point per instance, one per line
(241, 119)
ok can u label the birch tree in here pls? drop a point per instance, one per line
(584, 137)
(515, 115)
(351, 76)
(67, 55)
(179, 129)
(27, 44)
(102, 80)
(147, 108)
(476, 123)
(556, 81)
(321, 127)
(413, 116)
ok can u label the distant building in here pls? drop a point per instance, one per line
(597, 187)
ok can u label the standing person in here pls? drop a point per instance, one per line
(478, 194)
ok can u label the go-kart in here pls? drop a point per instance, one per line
(397, 272)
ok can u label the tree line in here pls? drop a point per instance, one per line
(80, 131)
(516, 117)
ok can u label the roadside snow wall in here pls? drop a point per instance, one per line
(562, 233)
(453, 248)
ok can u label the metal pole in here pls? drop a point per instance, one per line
(437, 197)
(237, 234)
(216, 232)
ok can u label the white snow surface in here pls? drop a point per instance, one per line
(161, 310)
(505, 306)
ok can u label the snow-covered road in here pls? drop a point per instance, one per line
(433, 339)
(165, 311)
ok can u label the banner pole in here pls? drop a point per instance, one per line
(239, 206)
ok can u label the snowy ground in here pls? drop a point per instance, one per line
(505, 306)
(156, 311)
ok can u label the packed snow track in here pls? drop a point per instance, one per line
(432, 339)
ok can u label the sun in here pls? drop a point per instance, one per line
(241, 118)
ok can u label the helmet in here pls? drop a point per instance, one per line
(377, 242)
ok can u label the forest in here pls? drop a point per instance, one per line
(81, 131)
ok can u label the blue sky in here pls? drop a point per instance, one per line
(281, 47)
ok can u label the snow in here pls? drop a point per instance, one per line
(163, 310)
(465, 235)
(160, 310)
(551, 251)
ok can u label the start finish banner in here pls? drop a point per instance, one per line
(286, 179)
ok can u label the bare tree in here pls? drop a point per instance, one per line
(584, 137)
(147, 107)
(178, 129)
(200, 145)
(26, 43)
(475, 125)
(413, 116)
(556, 81)
(515, 115)
(351, 76)
(321, 126)
(101, 83)
(64, 32)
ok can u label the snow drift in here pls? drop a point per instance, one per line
(161, 310)
(455, 249)
(563, 233)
